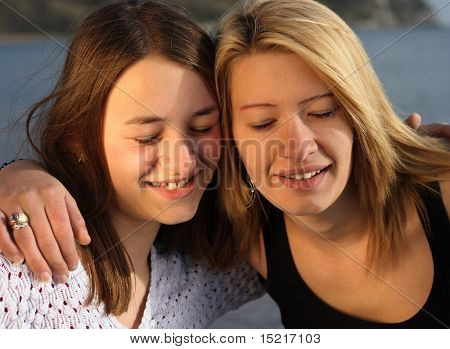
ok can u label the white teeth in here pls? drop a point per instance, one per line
(304, 176)
(172, 186)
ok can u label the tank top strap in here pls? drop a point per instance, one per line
(437, 226)
(280, 265)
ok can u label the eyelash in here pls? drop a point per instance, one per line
(147, 141)
(326, 115)
(266, 125)
(201, 131)
(155, 139)
(263, 126)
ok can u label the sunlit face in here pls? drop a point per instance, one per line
(161, 139)
(290, 132)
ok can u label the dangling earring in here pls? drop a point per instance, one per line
(81, 158)
(252, 189)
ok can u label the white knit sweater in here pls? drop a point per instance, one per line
(183, 294)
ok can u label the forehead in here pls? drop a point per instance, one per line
(272, 76)
(157, 86)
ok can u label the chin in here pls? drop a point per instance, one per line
(177, 215)
(304, 210)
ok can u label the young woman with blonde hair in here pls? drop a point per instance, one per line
(351, 228)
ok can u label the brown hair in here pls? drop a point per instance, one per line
(390, 160)
(70, 123)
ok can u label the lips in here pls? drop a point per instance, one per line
(173, 184)
(168, 190)
(170, 185)
(304, 181)
(306, 172)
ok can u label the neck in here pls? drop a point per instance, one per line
(137, 238)
(340, 223)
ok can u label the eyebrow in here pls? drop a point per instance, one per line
(269, 105)
(142, 120)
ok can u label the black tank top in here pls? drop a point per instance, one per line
(301, 308)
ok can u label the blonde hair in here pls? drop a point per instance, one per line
(390, 160)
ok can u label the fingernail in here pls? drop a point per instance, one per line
(61, 279)
(73, 268)
(46, 277)
(18, 260)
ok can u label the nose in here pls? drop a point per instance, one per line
(298, 140)
(179, 157)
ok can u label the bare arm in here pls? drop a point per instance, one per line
(47, 244)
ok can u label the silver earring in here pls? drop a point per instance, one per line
(82, 158)
(252, 189)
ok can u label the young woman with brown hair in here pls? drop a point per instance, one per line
(132, 131)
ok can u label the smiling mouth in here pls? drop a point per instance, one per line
(305, 176)
(171, 185)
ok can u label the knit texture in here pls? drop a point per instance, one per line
(183, 294)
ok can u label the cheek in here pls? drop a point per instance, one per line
(257, 157)
(209, 148)
(127, 162)
(341, 151)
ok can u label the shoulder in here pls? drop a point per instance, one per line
(25, 302)
(16, 288)
(186, 293)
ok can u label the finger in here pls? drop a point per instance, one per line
(7, 245)
(414, 121)
(26, 242)
(48, 246)
(77, 221)
(58, 218)
(436, 130)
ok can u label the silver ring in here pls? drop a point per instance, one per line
(18, 221)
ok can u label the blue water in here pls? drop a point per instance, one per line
(414, 69)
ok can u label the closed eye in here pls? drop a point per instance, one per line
(263, 126)
(200, 130)
(147, 141)
(327, 114)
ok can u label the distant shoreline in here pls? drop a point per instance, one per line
(23, 38)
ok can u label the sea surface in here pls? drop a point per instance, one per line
(414, 68)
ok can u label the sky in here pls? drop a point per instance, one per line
(444, 13)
